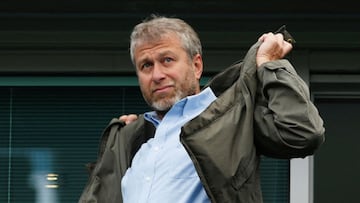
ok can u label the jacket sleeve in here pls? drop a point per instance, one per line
(104, 183)
(287, 123)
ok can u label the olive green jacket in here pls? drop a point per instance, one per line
(265, 111)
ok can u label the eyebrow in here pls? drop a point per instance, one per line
(166, 52)
(160, 55)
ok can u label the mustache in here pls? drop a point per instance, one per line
(157, 88)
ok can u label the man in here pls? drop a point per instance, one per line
(203, 145)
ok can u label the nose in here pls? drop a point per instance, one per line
(158, 73)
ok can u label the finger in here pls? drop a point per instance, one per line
(123, 117)
(131, 118)
(128, 118)
(279, 36)
(284, 46)
(263, 37)
(287, 47)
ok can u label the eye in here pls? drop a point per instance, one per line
(146, 65)
(168, 60)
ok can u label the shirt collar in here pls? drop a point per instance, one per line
(187, 105)
(194, 102)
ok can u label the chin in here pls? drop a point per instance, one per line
(164, 104)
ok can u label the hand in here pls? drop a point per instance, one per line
(128, 118)
(273, 47)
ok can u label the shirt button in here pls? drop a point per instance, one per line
(147, 178)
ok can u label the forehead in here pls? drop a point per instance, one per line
(162, 44)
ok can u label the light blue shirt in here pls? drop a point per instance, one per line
(162, 171)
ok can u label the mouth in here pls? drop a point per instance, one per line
(162, 89)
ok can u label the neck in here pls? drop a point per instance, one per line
(161, 114)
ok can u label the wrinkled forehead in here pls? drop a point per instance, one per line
(163, 43)
(149, 40)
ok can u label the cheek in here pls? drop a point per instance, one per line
(145, 92)
(143, 85)
(143, 80)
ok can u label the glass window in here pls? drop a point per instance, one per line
(48, 134)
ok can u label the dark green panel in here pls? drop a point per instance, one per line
(4, 142)
(57, 130)
(275, 180)
(336, 167)
(180, 6)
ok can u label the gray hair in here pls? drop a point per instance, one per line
(155, 27)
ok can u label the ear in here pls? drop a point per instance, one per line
(198, 66)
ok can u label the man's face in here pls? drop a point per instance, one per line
(165, 72)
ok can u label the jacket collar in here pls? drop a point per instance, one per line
(244, 68)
